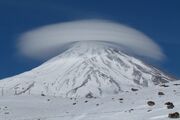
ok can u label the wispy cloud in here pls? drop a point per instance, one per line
(46, 40)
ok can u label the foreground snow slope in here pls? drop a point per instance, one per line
(90, 69)
(132, 107)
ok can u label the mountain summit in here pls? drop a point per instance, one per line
(91, 69)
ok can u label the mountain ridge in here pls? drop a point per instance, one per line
(91, 69)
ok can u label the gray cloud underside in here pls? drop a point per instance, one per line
(48, 39)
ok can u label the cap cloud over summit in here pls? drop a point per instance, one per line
(46, 40)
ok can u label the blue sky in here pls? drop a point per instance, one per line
(158, 19)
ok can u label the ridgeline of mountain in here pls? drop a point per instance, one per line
(91, 69)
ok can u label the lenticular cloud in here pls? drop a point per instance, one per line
(46, 40)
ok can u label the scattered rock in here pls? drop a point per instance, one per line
(86, 101)
(131, 110)
(170, 105)
(121, 99)
(174, 115)
(176, 84)
(164, 85)
(134, 89)
(89, 95)
(161, 93)
(43, 94)
(151, 103)
(74, 103)
(149, 110)
(97, 104)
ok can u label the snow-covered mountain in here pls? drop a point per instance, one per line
(90, 69)
(125, 106)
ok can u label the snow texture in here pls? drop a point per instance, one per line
(87, 69)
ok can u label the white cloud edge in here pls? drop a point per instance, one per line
(45, 40)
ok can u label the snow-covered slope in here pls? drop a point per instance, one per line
(90, 69)
(130, 105)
